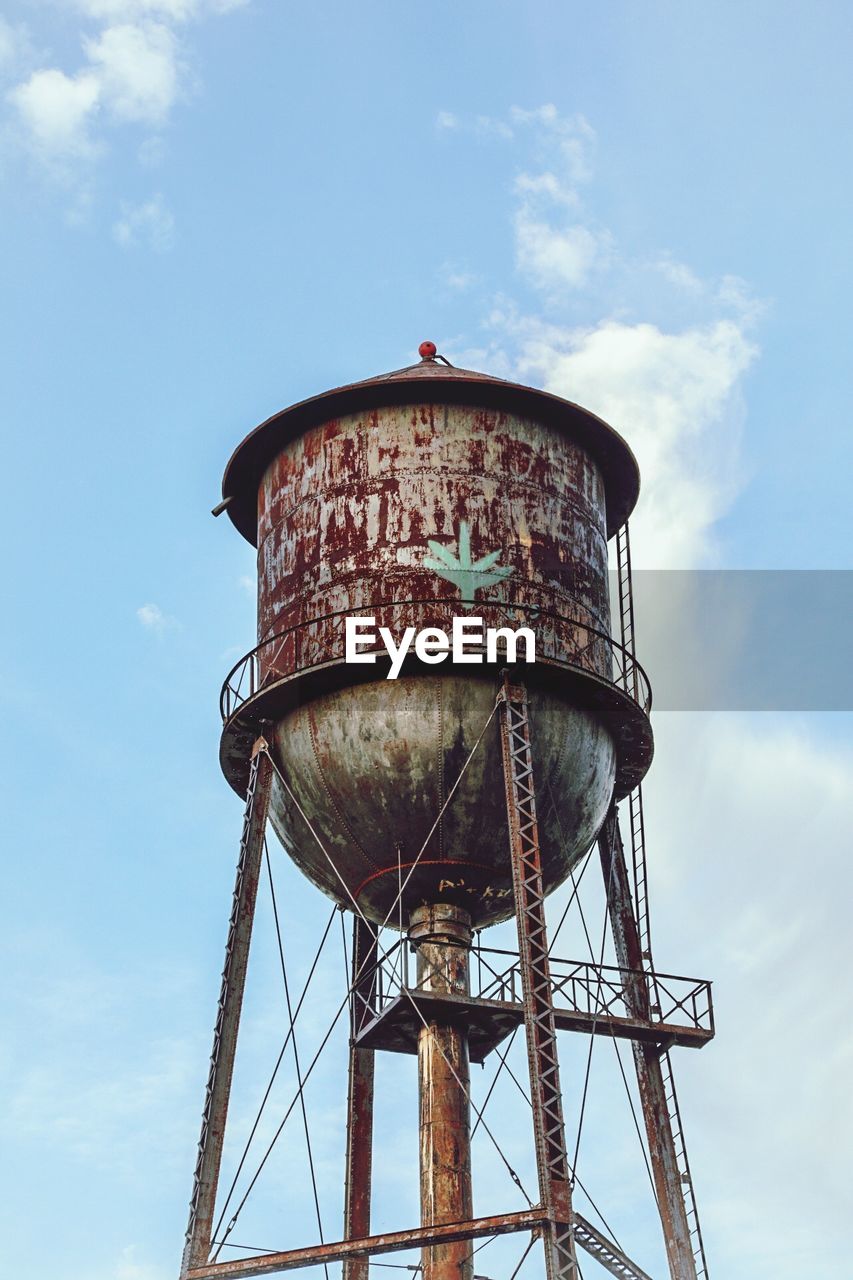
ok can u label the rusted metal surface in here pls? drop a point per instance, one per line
(348, 511)
(339, 750)
(442, 936)
(391, 1242)
(650, 1079)
(611, 1257)
(379, 506)
(400, 499)
(267, 684)
(560, 639)
(429, 383)
(202, 1203)
(359, 1155)
(588, 998)
(543, 1059)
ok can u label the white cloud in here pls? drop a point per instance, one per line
(555, 253)
(151, 223)
(675, 398)
(672, 389)
(556, 258)
(9, 42)
(747, 818)
(679, 274)
(446, 120)
(136, 69)
(151, 152)
(488, 126)
(546, 184)
(56, 110)
(570, 138)
(458, 278)
(153, 618)
(132, 73)
(131, 76)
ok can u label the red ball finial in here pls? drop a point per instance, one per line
(427, 350)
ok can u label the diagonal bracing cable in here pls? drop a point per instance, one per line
(467, 1094)
(382, 952)
(502, 1057)
(523, 1259)
(272, 1079)
(284, 1121)
(520, 1087)
(615, 1042)
(591, 1037)
(423, 847)
(576, 884)
(384, 955)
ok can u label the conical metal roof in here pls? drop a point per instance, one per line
(430, 381)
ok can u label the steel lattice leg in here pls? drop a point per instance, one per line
(359, 1159)
(198, 1238)
(650, 1076)
(549, 1130)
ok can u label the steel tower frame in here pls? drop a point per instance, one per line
(554, 1219)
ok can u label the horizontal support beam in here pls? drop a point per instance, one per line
(488, 1022)
(663, 1034)
(392, 1242)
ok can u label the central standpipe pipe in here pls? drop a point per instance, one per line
(442, 937)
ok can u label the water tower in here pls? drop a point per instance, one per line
(458, 793)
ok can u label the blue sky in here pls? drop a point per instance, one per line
(213, 209)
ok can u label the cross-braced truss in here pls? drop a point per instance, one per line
(547, 1099)
(544, 984)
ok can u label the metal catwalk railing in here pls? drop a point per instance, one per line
(577, 986)
(314, 642)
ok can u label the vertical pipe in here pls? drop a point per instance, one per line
(359, 1159)
(442, 935)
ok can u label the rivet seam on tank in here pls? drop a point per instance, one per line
(468, 575)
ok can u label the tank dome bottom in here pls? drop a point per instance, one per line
(372, 764)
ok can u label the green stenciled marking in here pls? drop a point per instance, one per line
(466, 574)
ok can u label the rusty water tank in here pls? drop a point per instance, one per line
(414, 497)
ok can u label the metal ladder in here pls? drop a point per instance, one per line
(606, 1252)
(641, 902)
(638, 871)
(687, 1189)
(626, 609)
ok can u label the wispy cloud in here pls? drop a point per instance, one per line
(675, 395)
(133, 68)
(137, 71)
(13, 43)
(746, 816)
(672, 389)
(152, 618)
(150, 223)
(131, 74)
(458, 278)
